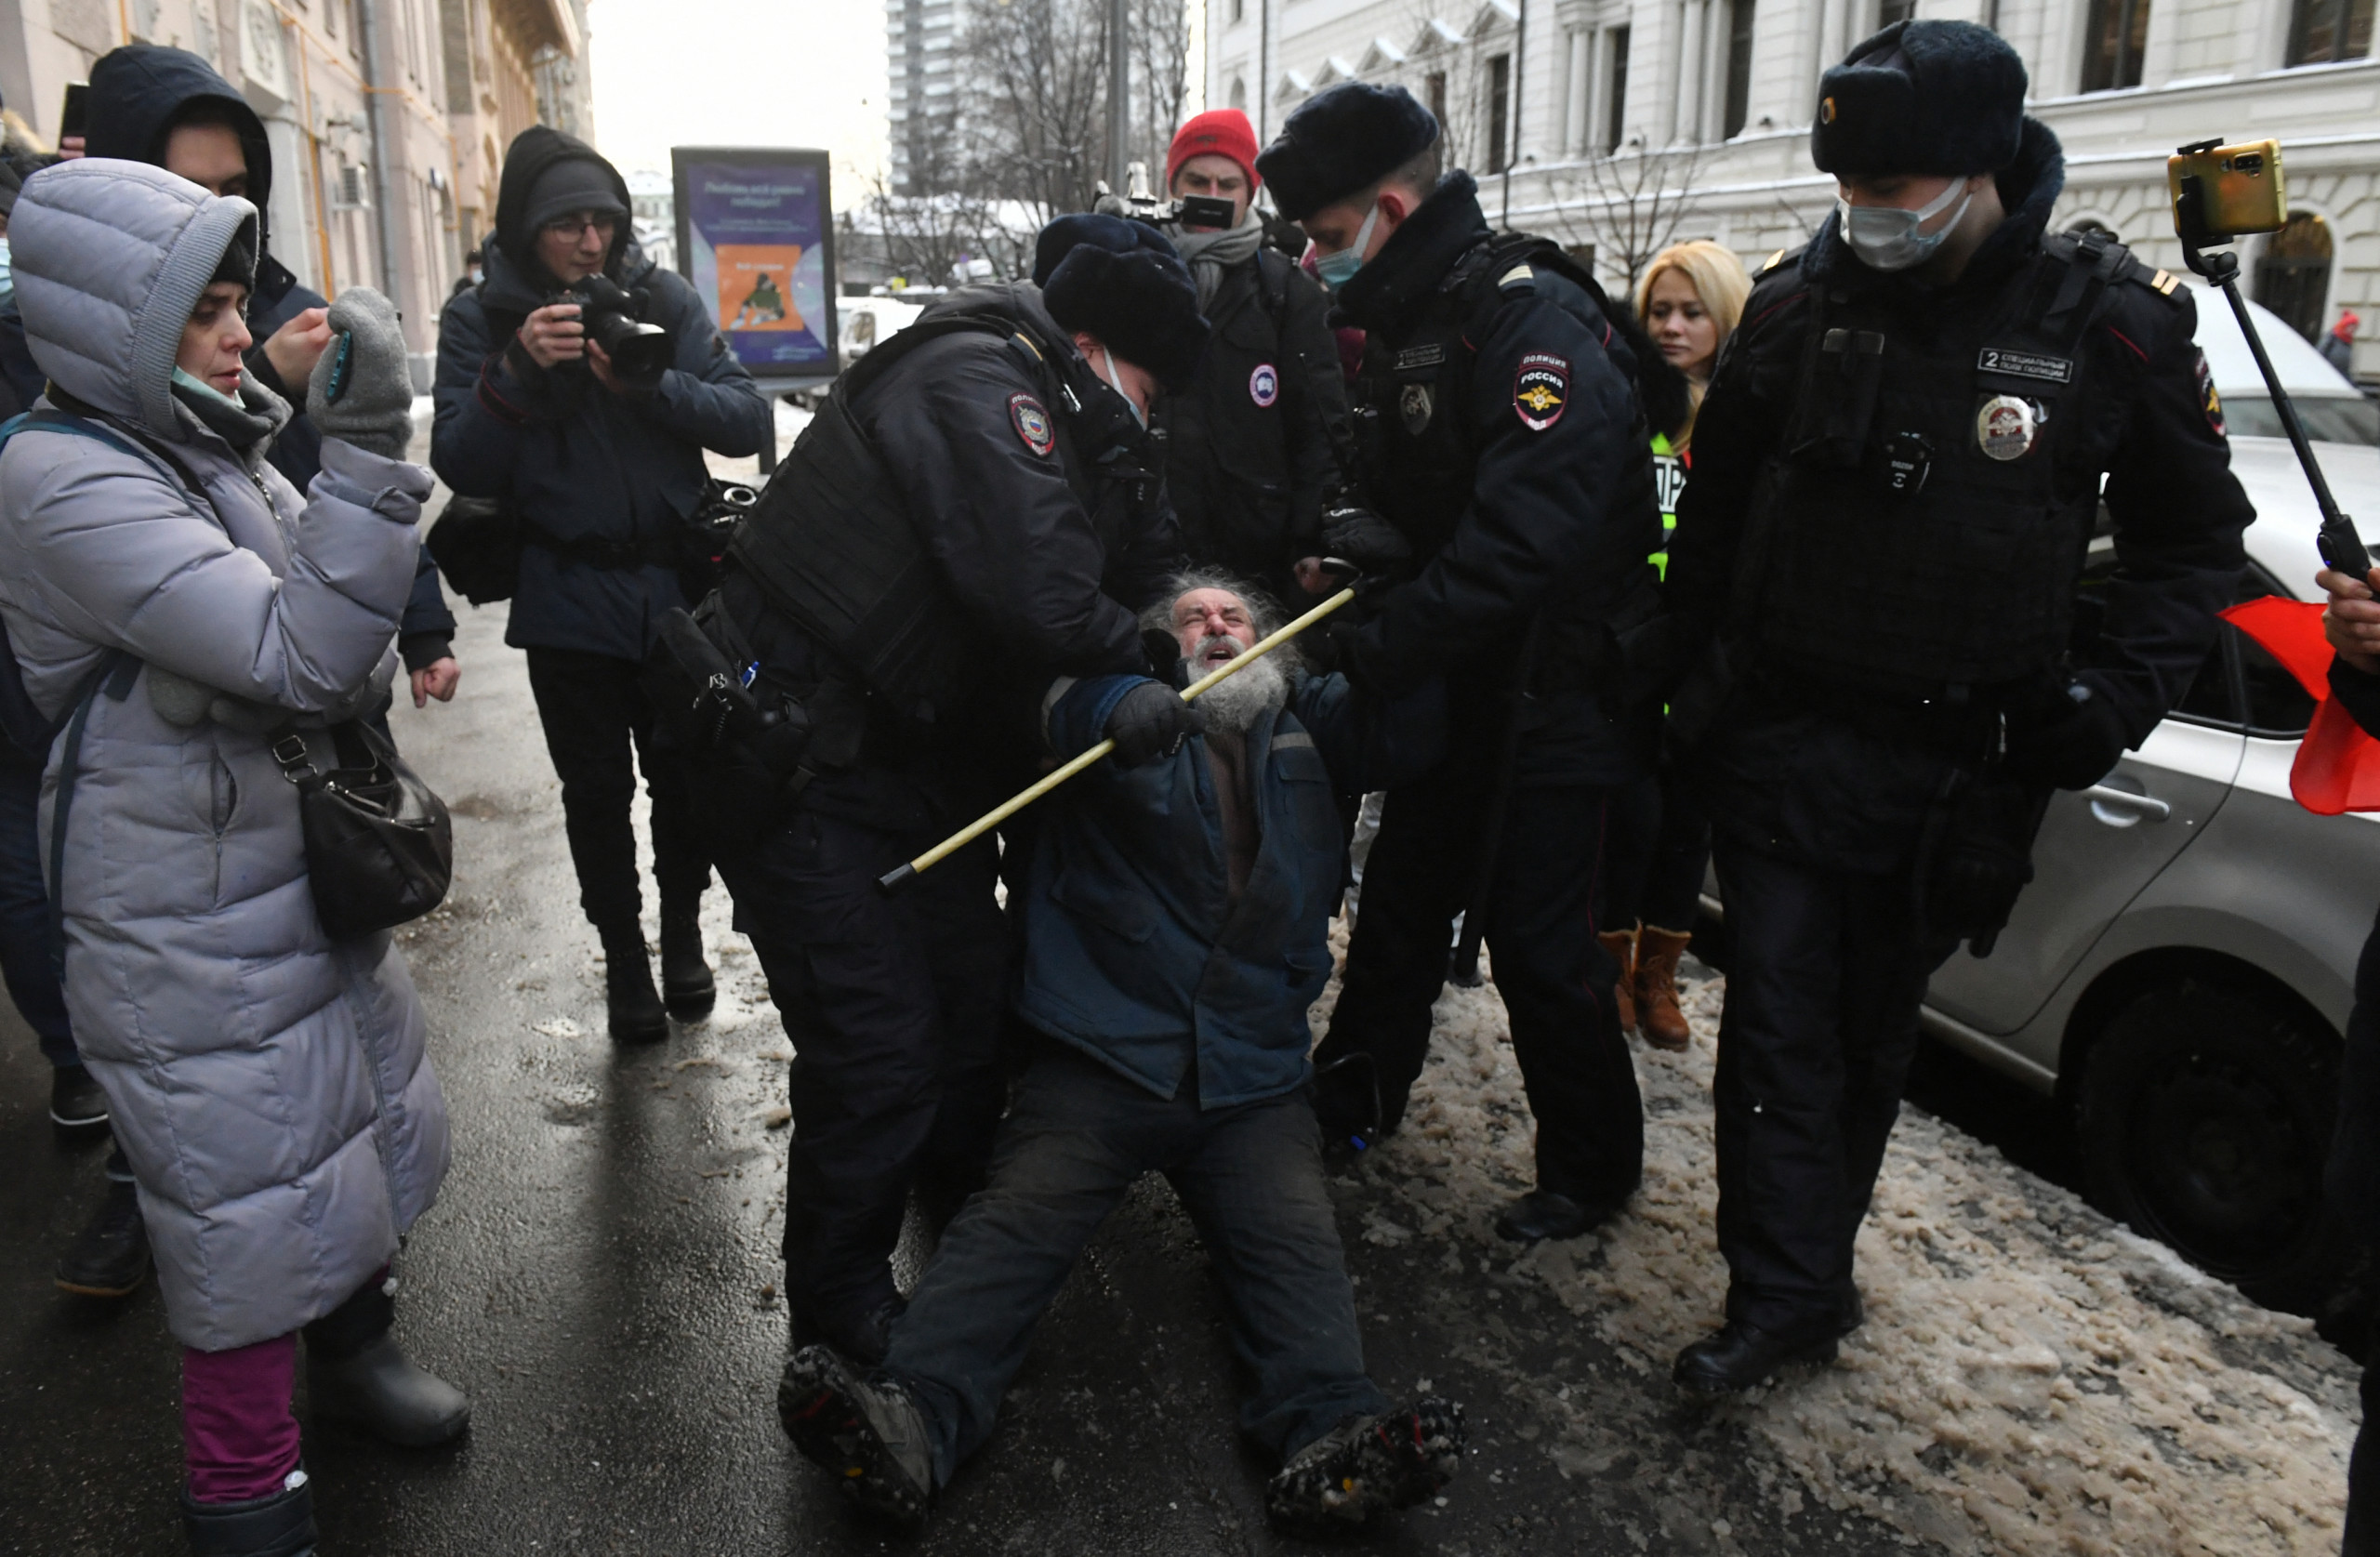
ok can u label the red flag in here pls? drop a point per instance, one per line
(2338, 765)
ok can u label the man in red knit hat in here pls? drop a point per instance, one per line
(1254, 445)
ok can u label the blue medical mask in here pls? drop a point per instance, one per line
(1887, 238)
(188, 381)
(1337, 270)
(1115, 382)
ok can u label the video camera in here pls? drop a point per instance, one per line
(1140, 203)
(2221, 193)
(639, 353)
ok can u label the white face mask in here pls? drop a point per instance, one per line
(1115, 382)
(1887, 238)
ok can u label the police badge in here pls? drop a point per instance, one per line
(2003, 427)
(1032, 424)
(1413, 404)
(1541, 390)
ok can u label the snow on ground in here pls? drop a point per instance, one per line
(2031, 1377)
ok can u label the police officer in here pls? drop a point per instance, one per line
(1253, 444)
(1896, 470)
(1499, 433)
(974, 510)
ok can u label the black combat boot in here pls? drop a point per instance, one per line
(686, 987)
(635, 1005)
(109, 1257)
(281, 1525)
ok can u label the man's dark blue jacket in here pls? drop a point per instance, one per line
(1135, 952)
(577, 461)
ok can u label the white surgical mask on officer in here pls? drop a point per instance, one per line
(1337, 269)
(1115, 382)
(1887, 237)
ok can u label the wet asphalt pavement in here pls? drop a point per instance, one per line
(601, 1275)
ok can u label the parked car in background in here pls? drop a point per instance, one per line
(2179, 972)
(866, 321)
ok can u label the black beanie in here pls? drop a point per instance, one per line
(1121, 282)
(1941, 98)
(1341, 141)
(239, 262)
(571, 184)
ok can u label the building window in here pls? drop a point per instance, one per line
(1739, 103)
(1239, 10)
(2113, 40)
(1890, 11)
(2323, 30)
(1616, 94)
(1500, 113)
(2293, 273)
(1239, 94)
(1434, 86)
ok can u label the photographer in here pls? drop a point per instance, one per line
(603, 466)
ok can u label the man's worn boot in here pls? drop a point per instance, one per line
(109, 1257)
(1658, 1016)
(1621, 944)
(280, 1525)
(1367, 1465)
(686, 987)
(869, 1435)
(634, 1005)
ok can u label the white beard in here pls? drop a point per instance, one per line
(1234, 705)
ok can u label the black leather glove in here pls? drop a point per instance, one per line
(2070, 737)
(1164, 651)
(1350, 652)
(1361, 537)
(1151, 721)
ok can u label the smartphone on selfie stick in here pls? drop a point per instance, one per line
(2221, 193)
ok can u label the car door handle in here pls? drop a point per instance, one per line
(2149, 806)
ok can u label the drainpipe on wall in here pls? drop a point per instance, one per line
(367, 21)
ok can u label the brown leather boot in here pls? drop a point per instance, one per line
(1621, 944)
(1659, 1019)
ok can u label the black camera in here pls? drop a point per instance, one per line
(639, 353)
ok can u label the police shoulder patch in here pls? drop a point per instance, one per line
(2208, 400)
(1541, 390)
(1032, 424)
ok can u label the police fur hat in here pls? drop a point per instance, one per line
(1922, 96)
(1122, 282)
(1341, 141)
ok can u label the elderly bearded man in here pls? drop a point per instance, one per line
(1176, 919)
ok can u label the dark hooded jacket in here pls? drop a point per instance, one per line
(138, 94)
(583, 467)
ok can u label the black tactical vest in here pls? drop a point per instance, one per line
(1923, 523)
(833, 548)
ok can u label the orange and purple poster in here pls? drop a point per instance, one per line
(755, 232)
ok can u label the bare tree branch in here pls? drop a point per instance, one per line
(1631, 205)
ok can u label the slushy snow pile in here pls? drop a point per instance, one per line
(2031, 1377)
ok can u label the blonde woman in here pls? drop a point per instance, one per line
(1690, 299)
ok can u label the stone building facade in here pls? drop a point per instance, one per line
(1625, 123)
(387, 118)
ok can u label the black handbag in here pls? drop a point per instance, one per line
(476, 543)
(380, 845)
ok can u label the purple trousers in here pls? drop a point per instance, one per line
(239, 1437)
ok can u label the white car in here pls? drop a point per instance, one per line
(2180, 969)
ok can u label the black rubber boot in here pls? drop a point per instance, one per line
(686, 986)
(76, 1104)
(355, 1374)
(281, 1525)
(109, 1257)
(635, 1005)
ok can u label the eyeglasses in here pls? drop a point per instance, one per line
(572, 227)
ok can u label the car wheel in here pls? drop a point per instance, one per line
(2204, 1116)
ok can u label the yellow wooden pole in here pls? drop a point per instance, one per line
(1048, 782)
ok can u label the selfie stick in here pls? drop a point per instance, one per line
(1023, 798)
(2338, 542)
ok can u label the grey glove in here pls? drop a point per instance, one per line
(361, 392)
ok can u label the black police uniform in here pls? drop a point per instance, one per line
(1027, 525)
(1498, 427)
(1253, 448)
(1894, 487)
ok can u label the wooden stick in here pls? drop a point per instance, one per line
(1023, 798)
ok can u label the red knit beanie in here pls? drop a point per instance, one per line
(1223, 132)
